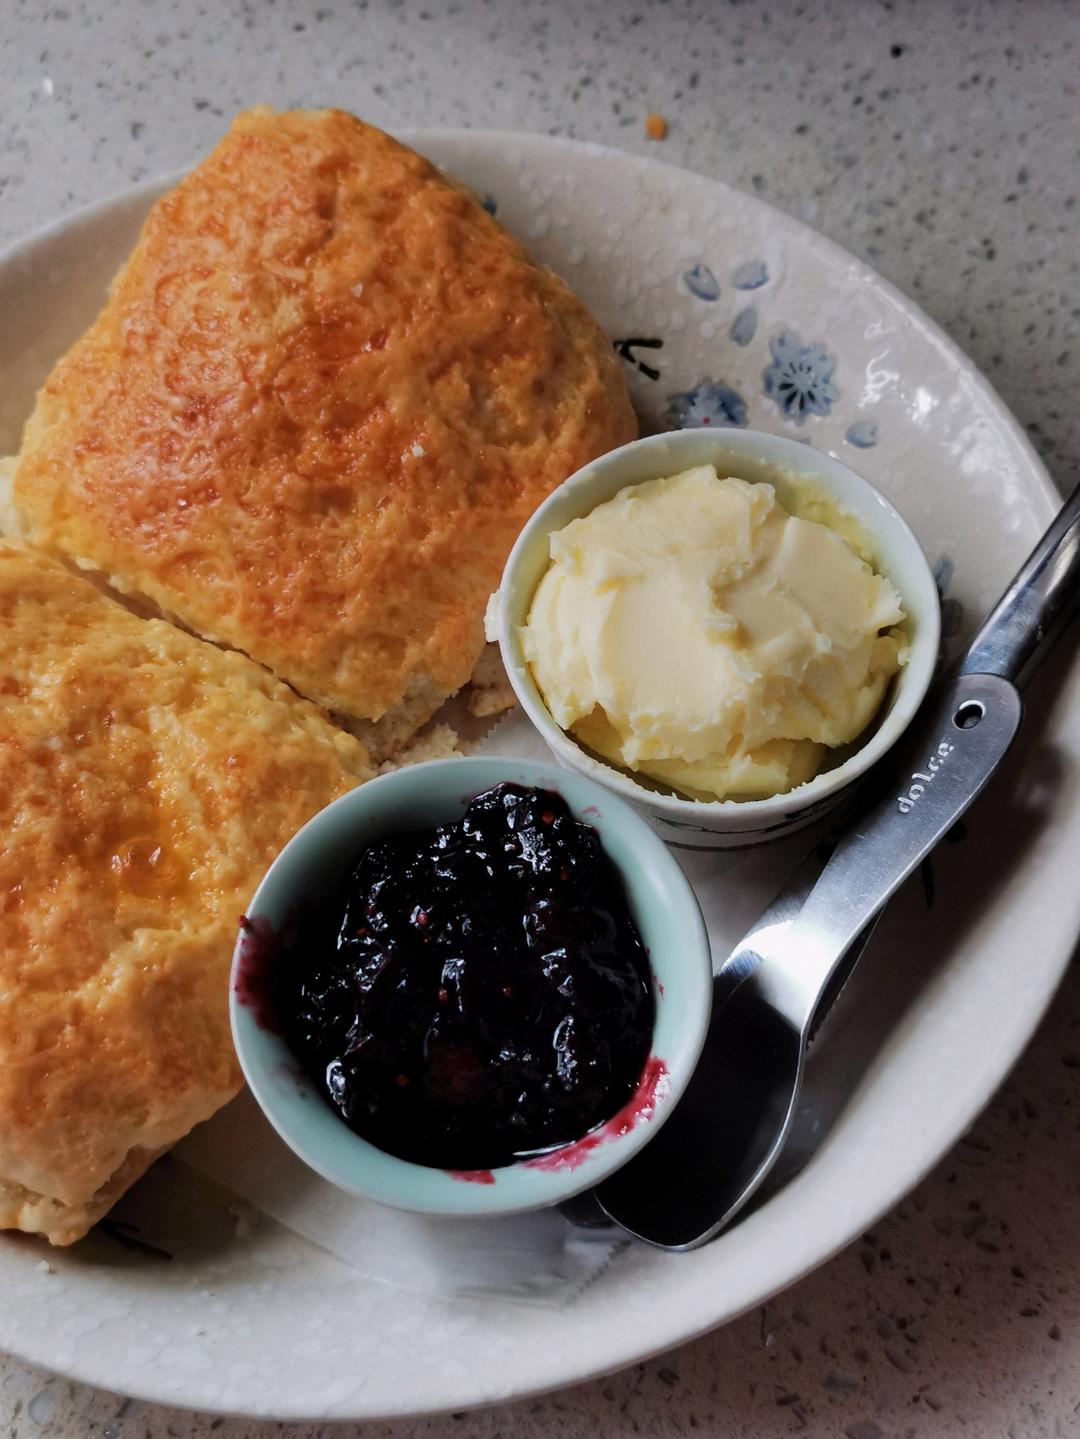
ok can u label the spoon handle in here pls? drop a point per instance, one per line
(1012, 640)
(943, 771)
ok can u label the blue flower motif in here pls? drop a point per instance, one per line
(952, 611)
(709, 403)
(701, 281)
(799, 378)
(751, 275)
(863, 435)
(744, 326)
(489, 204)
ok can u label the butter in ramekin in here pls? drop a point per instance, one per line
(694, 631)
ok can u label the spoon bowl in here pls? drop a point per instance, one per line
(748, 1081)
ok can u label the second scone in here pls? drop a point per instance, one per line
(146, 781)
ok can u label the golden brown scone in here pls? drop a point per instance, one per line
(8, 520)
(490, 692)
(146, 781)
(325, 392)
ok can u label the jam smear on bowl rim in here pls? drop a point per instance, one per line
(254, 971)
(640, 1106)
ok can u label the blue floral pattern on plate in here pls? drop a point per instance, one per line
(701, 281)
(952, 611)
(751, 275)
(744, 326)
(709, 403)
(799, 378)
(863, 434)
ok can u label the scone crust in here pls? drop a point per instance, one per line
(324, 395)
(146, 781)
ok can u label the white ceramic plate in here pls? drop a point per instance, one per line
(739, 314)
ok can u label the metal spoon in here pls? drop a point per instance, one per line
(728, 1131)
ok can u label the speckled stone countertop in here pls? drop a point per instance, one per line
(940, 142)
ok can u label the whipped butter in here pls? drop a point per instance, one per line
(695, 632)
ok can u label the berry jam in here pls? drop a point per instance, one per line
(476, 993)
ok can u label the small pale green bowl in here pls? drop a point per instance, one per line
(664, 909)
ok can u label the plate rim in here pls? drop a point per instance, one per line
(695, 1323)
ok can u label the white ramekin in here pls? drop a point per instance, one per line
(722, 824)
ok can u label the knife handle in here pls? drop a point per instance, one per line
(1012, 640)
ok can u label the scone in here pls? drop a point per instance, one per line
(325, 392)
(8, 518)
(146, 781)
